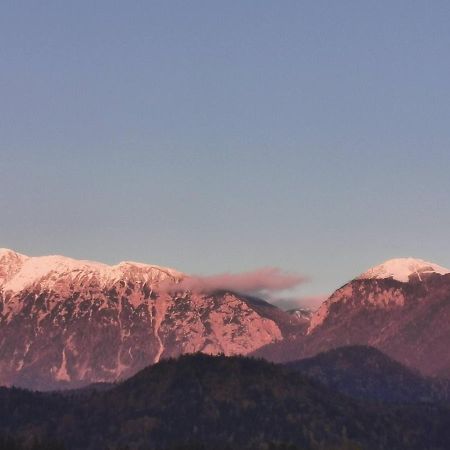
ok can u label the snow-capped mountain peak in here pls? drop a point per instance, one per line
(68, 321)
(19, 271)
(8, 254)
(401, 269)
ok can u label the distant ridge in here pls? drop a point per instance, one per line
(366, 373)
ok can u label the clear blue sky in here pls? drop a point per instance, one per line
(224, 136)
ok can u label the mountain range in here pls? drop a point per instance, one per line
(67, 323)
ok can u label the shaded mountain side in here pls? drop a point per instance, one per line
(291, 325)
(224, 403)
(289, 350)
(366, 373)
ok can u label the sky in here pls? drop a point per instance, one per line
(225, 137)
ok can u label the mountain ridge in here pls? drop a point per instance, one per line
(65, 322)
(365, 373)
(27, 270)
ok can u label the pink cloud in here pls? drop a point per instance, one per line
(261, 281)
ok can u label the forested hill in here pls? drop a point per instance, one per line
(219, 402)
(366, 373)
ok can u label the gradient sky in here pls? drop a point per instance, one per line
(313, 136)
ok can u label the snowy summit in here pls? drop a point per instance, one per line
(18, 271)
(401, 269)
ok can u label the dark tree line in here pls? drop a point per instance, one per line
(201, 402)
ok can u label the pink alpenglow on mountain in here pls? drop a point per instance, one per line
(401, 307)
(68, 322)
(401, 269)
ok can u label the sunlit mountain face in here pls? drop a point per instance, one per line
(401, 307)
(65, 323)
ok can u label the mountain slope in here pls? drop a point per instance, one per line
(401, 307)
(366, 373)
(65, 322)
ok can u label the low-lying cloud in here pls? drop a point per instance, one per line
(265, 281)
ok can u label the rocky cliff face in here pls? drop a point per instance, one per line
(65, 322)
